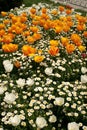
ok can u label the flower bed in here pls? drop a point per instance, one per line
(43, 69)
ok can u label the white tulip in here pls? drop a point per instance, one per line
(15, 121)
(20, 82)
(8, 65)
(30, 82)
(41, 122)
(9, 98)
(48, 71)
(59, 101)
(83, 70)
(73, 126)
(84, 78)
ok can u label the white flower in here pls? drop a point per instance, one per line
(8, 65)
(1, 129)
(20, 82)
(9, 98)
(84, 78)
(59, 101)
(41, 122)
(83, 70)
(30, 81)
(52, 119)
(73, 126)
(48, 71)
(1, 90)
(15, 120)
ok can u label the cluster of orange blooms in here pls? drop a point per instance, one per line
(32, 33)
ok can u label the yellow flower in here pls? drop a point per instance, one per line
(38, 58)
(82, 48)
(53, 42)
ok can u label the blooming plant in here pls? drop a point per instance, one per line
(43, 69)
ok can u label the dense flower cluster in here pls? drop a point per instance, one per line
(43, 69)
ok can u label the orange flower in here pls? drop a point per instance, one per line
(66, 28)
(58, 29)
(81, 27)
(54, 12)
(53, 50)
(85, 33)
(10, 47)
(17, 64)
(70, 48)
(3, 13)
(82, 48)
(37, 36)
(54, 42)
(75, 38)
(65, 41)
(23, 19)
(2, 26)
(26, 33)
(68, 11)
(39, 58)
(28, 50)
(30, 39)
(33, 10)
(2, 32)
(61, 8)
(7, 39)
(34, 28)
(44, 10)
(6, 21)
(11, 15)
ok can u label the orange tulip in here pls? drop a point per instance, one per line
(54, 12)
(81, 27)
(85, 33)
(54, 42)
(33, 10)
(64, 41)
(68, 11)
(58, 29)
(10, 47)
(39, 58)
(2, 32)
(82, 48)
(28, 50)
(37, 36)
(70, 48)
(44, 10)
(3, 13)
(34, 28)
(61, 8)
(53, 50)
(7, 39)
(2, 25)
(30, 39)
(17, 64)
(75, 38)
